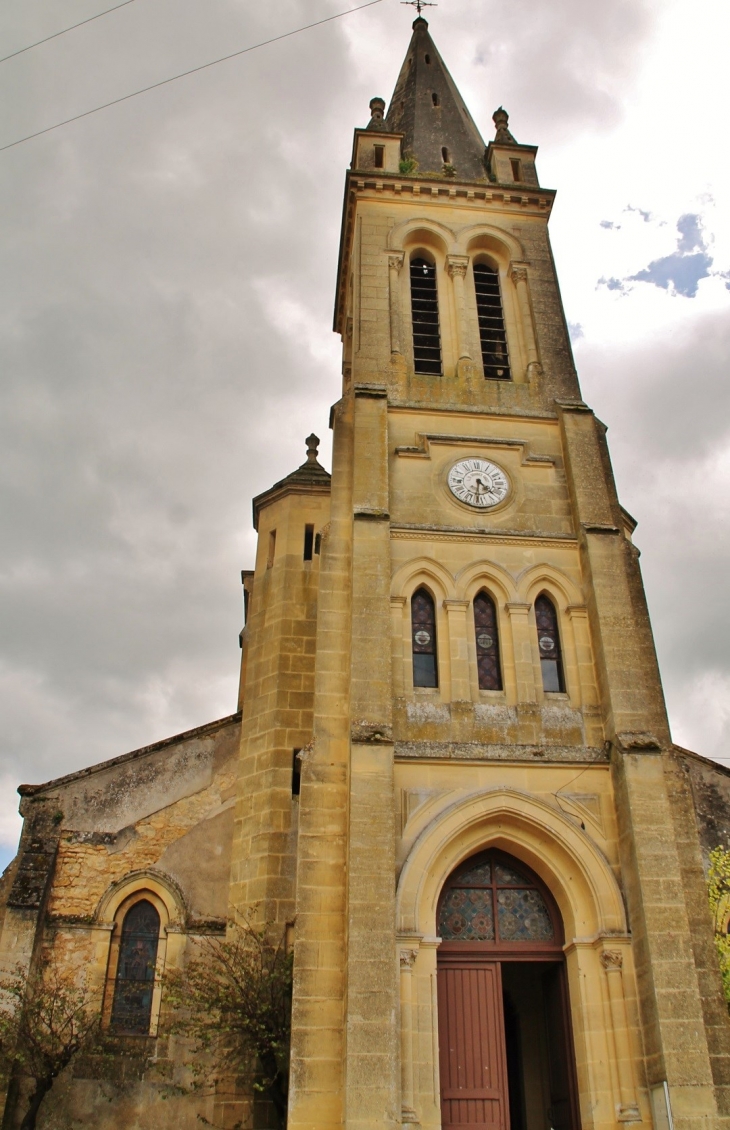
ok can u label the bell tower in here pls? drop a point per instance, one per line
(478, 682)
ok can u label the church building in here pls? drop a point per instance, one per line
(450, 778)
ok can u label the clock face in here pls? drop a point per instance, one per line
(478, 483)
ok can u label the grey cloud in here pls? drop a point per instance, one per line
(610, 225)
(575, 330)
(165, 314)
(646, 216)
(668, 406)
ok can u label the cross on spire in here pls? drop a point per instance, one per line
(419, 4)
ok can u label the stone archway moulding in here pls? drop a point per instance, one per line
(565, 858)
(156, 882)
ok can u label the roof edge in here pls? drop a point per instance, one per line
(185, 735)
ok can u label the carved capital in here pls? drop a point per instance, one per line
(612, 961)
(518, 274)
(457, 265)
(395, 260)
(408, 959)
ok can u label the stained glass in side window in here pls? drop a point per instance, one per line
(523, 917)
(132, 1006)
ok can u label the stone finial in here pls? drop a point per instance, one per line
(377, 113)
(312, 443)
(503, 136)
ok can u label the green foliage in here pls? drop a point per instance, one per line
(718, 892)
(449, 170)
(45, 1020)
(234, 1001)
(408, 166)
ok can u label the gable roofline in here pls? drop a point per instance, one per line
(122, 759)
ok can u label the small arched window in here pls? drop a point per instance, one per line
(491, 323)
(425, 316)
(485, 626)
(135, 978)
(423, 638)
(548, 641)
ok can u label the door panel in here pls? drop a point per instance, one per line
(472, 1052)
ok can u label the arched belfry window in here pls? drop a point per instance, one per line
(135, 977)
(423, 639)
(493, 898)
(491, 323)
(548, 641)
(425, 317)
(487, 637)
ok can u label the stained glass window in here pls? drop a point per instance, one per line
(489, 900)
(548, 641)
(423, 635)
(425, 316)
(485, 624)
(132, 1006)
(491, 323)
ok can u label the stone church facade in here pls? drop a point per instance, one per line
(451, 777)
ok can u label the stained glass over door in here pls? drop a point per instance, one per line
(132, 1007)
(488, 899)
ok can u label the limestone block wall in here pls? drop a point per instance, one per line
(157, 822)
(278, 700)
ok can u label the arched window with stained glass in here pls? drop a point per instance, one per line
(423, 639)
(135, 977)
(548, 642)
(495, 900)
(487, 639)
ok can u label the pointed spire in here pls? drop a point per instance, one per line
(439, 132)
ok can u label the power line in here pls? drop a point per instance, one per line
(184, 74)
(57, 33)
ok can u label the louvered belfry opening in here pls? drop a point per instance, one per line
(491, 323)
(425, 315)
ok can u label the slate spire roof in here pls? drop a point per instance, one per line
(427, 108)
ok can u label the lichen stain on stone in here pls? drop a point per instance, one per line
(422, 712)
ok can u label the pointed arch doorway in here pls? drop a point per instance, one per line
(505, 1042)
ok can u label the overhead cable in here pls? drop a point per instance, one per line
(63, 32)
(184, 74)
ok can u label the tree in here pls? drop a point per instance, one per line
(234, 1000)
(718, 889)
(46, 1019)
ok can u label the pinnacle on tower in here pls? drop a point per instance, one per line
(428, 110)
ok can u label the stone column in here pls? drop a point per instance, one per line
(397, 604)
(395, 262)
(457, 266)
(522, 648)
(612, 962)
(456, 611)
(518, 274)
(407, 960)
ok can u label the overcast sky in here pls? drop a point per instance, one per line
(168, 270)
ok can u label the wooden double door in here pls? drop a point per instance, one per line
(506, 1059)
